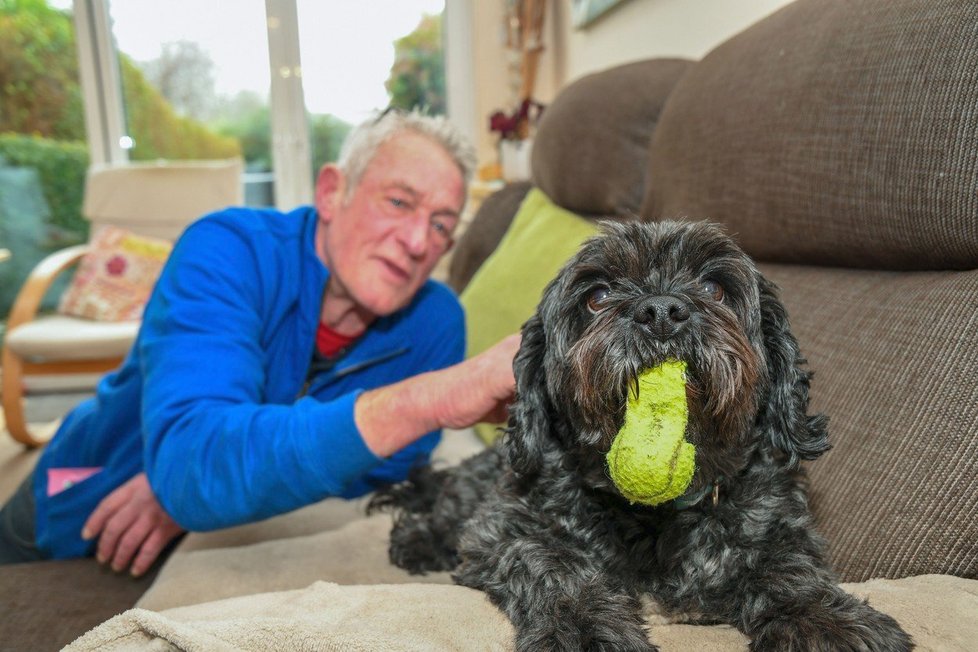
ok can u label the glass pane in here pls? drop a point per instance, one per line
(360, 57)
(195, 83)
(43, 154)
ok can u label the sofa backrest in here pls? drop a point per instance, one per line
(590, 152)
(837, 143)
(840, 138)
(590, 155)
(832, 133)
(591, 149)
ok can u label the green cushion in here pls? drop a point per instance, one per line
(507, 288)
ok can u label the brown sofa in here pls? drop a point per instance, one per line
(837, 143)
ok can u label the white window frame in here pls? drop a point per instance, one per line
(98, 72)
(291, 154)
(457, 31)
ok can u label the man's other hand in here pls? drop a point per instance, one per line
(131, 526)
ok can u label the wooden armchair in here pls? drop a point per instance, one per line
(154, 199)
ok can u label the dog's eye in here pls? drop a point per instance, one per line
(713, 289)
(597, 298)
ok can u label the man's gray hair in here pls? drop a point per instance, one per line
(363, 142)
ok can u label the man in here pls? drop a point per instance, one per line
(282, 359)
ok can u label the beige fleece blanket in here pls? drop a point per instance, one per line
(320, 579)
(940, 612)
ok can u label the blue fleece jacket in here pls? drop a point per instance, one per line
(212, 399)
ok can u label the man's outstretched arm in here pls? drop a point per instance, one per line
(478, 389)
(132, 526)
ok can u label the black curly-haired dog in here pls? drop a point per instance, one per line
(539, 526)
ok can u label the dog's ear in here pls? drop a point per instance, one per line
(783, 415)
(529, 426)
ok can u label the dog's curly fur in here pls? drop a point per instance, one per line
(538, 525)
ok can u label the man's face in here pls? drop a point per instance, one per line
(381, 242)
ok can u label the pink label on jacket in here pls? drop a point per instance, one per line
(61, 479)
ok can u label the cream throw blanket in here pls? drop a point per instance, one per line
(319, 579)
(939, 612)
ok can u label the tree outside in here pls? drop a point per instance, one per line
(172, 110)
(39, 92)
(43, 153)
(326, 136)
(184, 75)
(40, 99)
(417, 77)
(43, 157)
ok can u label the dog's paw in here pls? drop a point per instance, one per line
(865, 631)
(418, 549)
(565, 639)
(417, 493)
(584, 632)
(418, 561)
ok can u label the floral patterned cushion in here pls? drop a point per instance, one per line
(116, 276)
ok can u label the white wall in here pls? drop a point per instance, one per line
(640, 29)
(637, 29)
(492, 88)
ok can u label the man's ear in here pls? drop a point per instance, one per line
(330, 185)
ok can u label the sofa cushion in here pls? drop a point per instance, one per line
(115, 277)
(832, 133)
(939, 612)
(482, 235)
(48, 604)
(57, 337)
(230, 572)
(895, 371)
(590, 151)
(286, 551)
(507, 288)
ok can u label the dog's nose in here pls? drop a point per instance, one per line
(663, 315)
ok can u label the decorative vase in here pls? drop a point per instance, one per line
(514, 159)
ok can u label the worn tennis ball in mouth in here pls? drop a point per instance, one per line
(650, 460)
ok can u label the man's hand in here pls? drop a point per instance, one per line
(481, 388)
(128, 522)
(478, 389)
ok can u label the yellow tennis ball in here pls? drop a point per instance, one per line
(650, 460)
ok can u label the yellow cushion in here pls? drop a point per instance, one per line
(505, 291)
(116, 276)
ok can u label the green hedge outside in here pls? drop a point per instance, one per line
(40, 207)
(62, 167)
